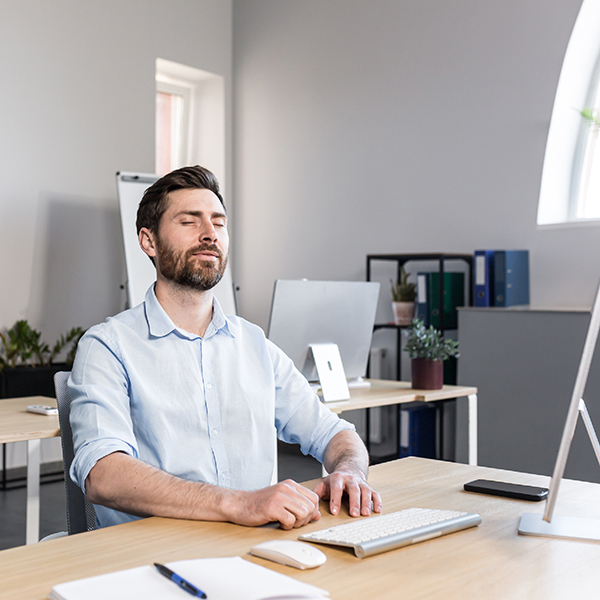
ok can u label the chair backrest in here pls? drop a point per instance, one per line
(81, 515)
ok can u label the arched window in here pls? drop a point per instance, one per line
(570, 188)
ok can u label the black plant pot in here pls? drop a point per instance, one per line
(16, 382)
(427, 374)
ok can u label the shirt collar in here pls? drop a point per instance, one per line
(161, 325)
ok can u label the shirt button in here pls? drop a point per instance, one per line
(215, 432)
(209, 386)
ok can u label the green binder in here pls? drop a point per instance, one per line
(454, 296)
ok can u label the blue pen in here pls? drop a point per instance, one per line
(180, 581)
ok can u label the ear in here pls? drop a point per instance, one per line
(147, 242)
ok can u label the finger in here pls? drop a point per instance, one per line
(336, 491)
(298, 514)
(377, 502)
(366, 497)
(310, 494)
(321, 489)
(354, 497)
(299, 505)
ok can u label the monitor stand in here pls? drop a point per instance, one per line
(574, 528)
(358, 382)
(331, 372)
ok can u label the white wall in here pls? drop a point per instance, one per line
(397, 126)
(77, 105)
(380, 126)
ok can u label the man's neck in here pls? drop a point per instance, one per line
(190, 310)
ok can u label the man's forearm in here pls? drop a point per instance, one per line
(346, 452)
(123, 483)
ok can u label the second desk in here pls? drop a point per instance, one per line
(384, 393)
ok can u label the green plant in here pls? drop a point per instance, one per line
(403, 291)
(23, 345)
(592, 118)
(428, 342)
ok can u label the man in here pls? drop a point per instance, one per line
(176, 407)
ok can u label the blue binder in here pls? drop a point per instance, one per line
(511, 277)
(418, 430)
(483, 291)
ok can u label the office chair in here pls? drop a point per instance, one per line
(81, 515)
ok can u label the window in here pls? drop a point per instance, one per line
(586, 173)
(570, 187)
(172, 125)
(190, 119)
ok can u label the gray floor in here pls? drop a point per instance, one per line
(292, 465)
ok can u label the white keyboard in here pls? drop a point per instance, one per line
(381, 533)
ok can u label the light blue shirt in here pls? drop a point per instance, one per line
(203, 409)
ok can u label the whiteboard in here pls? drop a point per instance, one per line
(141, 273)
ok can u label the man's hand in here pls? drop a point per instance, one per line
(360, 494)
(347, 461)
(288, 502)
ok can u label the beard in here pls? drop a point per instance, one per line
(187, 270)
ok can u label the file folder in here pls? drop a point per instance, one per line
(511, 277)
(484, 278)
(453, 294)
(418, 430)
(428, 301)
(422, 306)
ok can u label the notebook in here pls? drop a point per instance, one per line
(219, 578)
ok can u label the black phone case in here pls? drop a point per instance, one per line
(522, 492)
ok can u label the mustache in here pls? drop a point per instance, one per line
(206, 248)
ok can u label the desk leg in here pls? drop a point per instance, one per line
(472, 429)
(32, 527)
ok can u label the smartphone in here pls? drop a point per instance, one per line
(41, 409)
(508, 490)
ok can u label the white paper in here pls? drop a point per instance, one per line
(219, 578)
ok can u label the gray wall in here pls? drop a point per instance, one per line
(524, 364)
(397, 126)
(77, 105)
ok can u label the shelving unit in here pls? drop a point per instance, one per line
(401, 260)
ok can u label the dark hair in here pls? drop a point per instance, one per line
(154, 201)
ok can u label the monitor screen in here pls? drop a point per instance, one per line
(320, 312)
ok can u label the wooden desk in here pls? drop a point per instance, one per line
(18, 425)
(384, 393)
(491, 561)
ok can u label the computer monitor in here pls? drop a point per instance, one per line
(566, 526)
(324, 312)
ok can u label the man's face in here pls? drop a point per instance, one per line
(192, 243)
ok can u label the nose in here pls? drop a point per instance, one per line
(208, 232)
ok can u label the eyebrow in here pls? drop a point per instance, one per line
(199, 213)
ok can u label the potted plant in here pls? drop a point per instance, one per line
(428, 350)
(27, 364)
(403, 299)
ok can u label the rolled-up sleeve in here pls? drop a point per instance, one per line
(100, 413)
(300, 417)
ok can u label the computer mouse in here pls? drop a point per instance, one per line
(290, 553)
